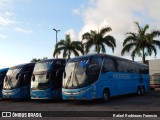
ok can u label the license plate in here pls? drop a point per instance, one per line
(71, 98)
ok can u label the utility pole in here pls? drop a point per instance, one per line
(56, 38)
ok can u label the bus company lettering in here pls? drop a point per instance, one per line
(121, 76)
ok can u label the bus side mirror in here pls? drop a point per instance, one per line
(64, 74)
(33, 78)
(17, 76)
(47, 76)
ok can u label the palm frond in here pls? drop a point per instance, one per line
(155, 33)
(145, 29)
(138, 26)
(104, 30)
(129, 39)
(58, 51)
(86, 36)
(75, 52)
(78, 46)
(103, 48)
(156, 43)
(110, 39)
(128, 48)
(88, 45)
(151, 48)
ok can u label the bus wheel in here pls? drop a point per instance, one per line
(138, 91)
(106, 95)
(142, 90)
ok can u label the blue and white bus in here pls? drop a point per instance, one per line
(17, 81)
(2, 75)
(46, 82)
(99, 76)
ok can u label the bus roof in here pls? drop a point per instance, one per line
(4, 69)
(50, 60)
(21, 65)
(106, 55)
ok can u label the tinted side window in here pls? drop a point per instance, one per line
(130, 68)
(59, 64)
(58, 73)
(120, 66)
(108, 65)
(25, 76)
(144, 70)
(96, 60)
(94, 71)
(29, 69)
(125, 66)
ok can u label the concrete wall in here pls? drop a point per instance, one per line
(154, 66)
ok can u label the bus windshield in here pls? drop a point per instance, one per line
(40, 79)
(75, 74)
(43, 66)
(81, 72)
(13, 72)
(10, 80)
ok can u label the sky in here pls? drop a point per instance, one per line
(26, 26)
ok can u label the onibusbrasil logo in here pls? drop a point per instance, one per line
(21, 114)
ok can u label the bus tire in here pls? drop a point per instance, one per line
(139, 91)
(142, 90)
(106, 95)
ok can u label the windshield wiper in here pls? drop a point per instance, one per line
(69, 79)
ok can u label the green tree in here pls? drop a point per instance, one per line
(99, 40)
(37, 60)
(67, 47)
(141, 43)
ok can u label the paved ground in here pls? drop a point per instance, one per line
(148, 102)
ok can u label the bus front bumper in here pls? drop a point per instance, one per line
(15, 93)
(46, 94)
(154, 85)
(79, 94)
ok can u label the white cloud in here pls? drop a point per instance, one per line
(120, 16)
(22, 30)
(72, 34)
(3, 36)
(6, 17)
(79, 10)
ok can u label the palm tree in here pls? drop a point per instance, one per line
(99, 40)
(37, 60)
(141, 43)
(67, 47)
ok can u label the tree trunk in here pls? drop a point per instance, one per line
(69, 55)
(143, 57)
